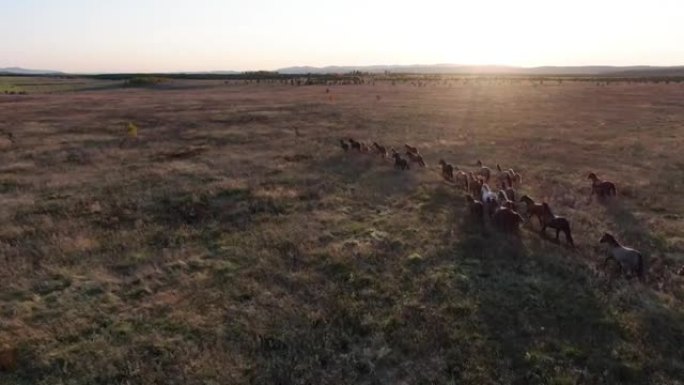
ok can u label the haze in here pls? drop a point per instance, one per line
(174, 35)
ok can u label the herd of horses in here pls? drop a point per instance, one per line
(499, 206)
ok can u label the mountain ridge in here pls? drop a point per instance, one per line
(440, 68)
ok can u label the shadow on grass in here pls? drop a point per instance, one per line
(541, 316)
(374, 177)
(632, 228)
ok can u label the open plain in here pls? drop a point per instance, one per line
(233, 241)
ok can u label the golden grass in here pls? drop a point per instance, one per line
(218, 247)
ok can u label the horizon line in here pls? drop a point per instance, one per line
(323, 67)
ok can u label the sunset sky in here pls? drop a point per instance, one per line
(175, 35)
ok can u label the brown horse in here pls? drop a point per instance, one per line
(380, 150)
(461, 178)
(504, 177)
(447, 170)
(601, 188)
(533, 209)
(509, 177)
(557, 223)
(474, 185)
(484, 172)
(411, 149)
(416, 158)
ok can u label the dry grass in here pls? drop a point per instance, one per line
(218, 247)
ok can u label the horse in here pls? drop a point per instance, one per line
(344, 145)
(600, 187)
(476, 209)
(447, 170)
(505, 179)
(489, 199)
(416, 158)
(504, 200)
(629, 259)
(381, 150)
(484, 172)
(474, 184)
(557, 223)
(507, 220)
(510, 176)
(400, 162)
(411, 149)
(355, 145)
(533, 209)
(461, 178)
(515, 177)
(8, 358)
(510, 193)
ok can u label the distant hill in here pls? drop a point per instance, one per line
(25, 71)
(494, 69)
(652, 71)
(415, 68)
(629, 71)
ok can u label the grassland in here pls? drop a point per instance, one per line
(219, 247)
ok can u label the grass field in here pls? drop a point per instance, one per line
(221, 248)
(43, 85)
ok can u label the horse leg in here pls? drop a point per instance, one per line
(557, 234)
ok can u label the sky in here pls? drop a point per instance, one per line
(203, 35)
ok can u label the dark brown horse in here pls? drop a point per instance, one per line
(557, 223)
(8, 359)
(602, 188)
(355, 145)
(507, 220)
(476, 209)
(447, 170)
(400, 162)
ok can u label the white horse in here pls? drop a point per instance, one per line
(489, 199)
(628, 258)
